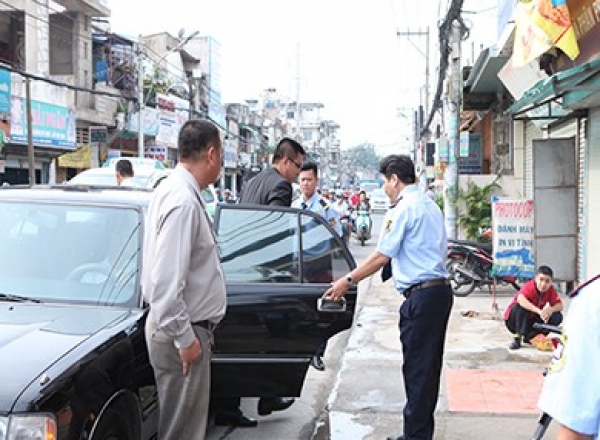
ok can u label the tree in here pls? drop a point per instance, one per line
(362, 157)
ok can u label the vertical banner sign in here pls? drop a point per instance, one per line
(464, 144)
(513, 238)
(5, 84)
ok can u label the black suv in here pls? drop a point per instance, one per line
(73, 359)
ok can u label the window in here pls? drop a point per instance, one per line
(258, 246)
(263, 246)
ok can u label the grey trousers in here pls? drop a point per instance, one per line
(183, 400)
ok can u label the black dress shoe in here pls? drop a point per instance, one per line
(234, 418)
(515, 344)
(266, 405)
(317, 362)
(400, 437)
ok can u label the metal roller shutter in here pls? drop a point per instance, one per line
(581, 200)
(531, 132)
(591, 183)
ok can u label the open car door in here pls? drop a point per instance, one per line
(278, 262)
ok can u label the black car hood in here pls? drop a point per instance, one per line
(34, 336)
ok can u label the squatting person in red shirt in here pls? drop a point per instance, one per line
(537, 301)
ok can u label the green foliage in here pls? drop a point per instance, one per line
(439, 200)
(478, 204)
(362, 157)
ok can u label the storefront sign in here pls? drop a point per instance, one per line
(513, 224)
(158, 152)
(464, 144)
(230, 157)
(473, 163)
(172, 114)
(53, 126)
(5, 83)
(80, 158)
(150, 122)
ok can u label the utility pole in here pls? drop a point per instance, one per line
(423, 138)
(454, 106)
(30, 151)
(141, 103)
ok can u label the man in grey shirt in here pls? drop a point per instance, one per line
(183, 282)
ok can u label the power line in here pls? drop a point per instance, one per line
(445, 27)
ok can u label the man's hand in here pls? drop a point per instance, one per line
(337, 290)
(545, 314)
(189, 355)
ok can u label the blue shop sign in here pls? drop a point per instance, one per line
(53, 126)
(5, 83)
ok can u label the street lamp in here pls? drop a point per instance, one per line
(142, 104)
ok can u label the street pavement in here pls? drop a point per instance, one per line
(487, 391)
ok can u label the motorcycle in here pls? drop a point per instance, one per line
(362, 226)
(469, 265)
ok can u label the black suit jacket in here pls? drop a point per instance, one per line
(267, 188)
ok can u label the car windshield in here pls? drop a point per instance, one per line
(105, 179)
(70, 253)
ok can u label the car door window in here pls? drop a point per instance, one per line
(278, 245)
(258, 246)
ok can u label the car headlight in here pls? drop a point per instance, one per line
(28, 427)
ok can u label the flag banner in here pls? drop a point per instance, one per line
(542, 25)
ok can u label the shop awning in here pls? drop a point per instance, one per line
(558, 85)
(483, 77)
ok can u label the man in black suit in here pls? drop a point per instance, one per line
(272, 186)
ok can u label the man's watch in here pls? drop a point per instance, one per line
(350, 280)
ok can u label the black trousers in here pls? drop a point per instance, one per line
(520, 321)
(423, 322)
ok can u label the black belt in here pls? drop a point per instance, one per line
(425, 284)
(208, 325)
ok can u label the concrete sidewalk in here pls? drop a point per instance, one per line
(487, 391)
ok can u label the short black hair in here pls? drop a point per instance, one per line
(124, 167)
(287, 147)
(545, 270)
(195, 136)
(310, 166)
(399, 164)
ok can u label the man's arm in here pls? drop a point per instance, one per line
(565, 433)
(372, 264)
(281, 195)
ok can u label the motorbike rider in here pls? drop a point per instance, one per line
(342, 208)
(363, 206)
(537, 301)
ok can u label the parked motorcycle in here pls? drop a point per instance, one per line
(469, 265)
(362, 226)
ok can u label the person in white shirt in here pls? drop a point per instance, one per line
(124, 170)
(571, 392)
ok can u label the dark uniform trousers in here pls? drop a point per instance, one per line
(423, 321)
(521, 321)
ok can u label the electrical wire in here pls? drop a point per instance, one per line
(445, 31)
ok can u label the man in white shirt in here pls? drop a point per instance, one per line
(124, 173)
(571, 393)
(183, 282)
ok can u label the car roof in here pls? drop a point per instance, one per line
(138, 197)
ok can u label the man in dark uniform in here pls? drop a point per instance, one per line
(272, 186)
(414, 239)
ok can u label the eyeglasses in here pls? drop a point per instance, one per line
(295, 163)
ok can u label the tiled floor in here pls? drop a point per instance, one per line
(493, 391)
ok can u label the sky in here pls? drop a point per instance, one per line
(344, 54)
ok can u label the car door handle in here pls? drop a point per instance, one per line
(327, 305)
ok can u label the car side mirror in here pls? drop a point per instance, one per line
(327, 305)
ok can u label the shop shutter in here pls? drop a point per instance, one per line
(591, 183)
(581, 199)
(532, 132)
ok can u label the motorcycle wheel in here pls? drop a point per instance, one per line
(461, 284)
(362, 241)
